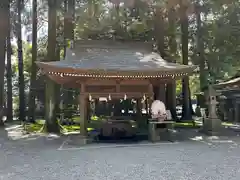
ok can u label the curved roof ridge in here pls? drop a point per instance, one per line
(113, 44)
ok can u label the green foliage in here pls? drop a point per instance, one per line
(221, 32)
(101, 20)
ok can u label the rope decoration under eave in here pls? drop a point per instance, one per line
(171, 76)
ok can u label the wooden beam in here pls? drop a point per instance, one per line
(134, 88)
(63, 80)
(135, 82)
(158, 81)
(114, 81)
(100, 89)
(118, 95)
(100, 82)
(118, 89)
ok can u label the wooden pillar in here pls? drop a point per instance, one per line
(162, 93)
(88, 109)
(236, 114)
(150, 101)
(141, 122)
(146, 105)
(110, 108)
(125, 106)
(171, 98)
(151, 98)
(97, 111)
(139, 107)
(83, 111)
(83, 115)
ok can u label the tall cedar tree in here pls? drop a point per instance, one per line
(186, 110)
(50, 88)
(32, 94)
(171, 87)
(21, 82)
(4, 8)
(9, 72)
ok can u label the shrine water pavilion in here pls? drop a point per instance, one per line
(229, 98)
(112, 69)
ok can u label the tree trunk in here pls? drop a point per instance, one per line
(9, 73)
(50, 108)
(69, 19)
(21, 82)
(4, 6)
(57, 87)
(200, 48)
(159, 34)
(65, 5)
(171, 87)
(69, 11)
(186, 110)
(32, 94)
(159, 31)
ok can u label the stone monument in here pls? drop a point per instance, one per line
(212, 125)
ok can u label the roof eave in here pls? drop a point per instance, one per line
(65, 71)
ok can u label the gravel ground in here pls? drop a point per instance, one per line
(39, 159)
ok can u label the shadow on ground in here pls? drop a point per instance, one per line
(15, 134)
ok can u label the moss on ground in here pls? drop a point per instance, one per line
(33, 127)
(38, 126)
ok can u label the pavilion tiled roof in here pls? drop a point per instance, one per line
(111, 56)
(231, 82)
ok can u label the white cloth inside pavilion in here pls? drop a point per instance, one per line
(158, 110)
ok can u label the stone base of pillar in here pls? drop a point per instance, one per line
(212, 126)
(84, 140)
(80, 140)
